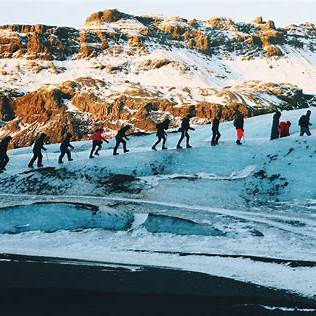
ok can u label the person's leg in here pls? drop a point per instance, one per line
(308, 132)
(92, 150)
(123, 141)
(32, 160)
(164, 140)
(213, 141)
(116, 147)
(156, 143)
(218, 136)
(1, 161)
(239, 136)
(62, 154)
(99, 145)
(69, 155)
(39, 160)
(187, 139)
(180, 140)
(302, 132)
(4, 161)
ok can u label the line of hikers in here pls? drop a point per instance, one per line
(279, 129)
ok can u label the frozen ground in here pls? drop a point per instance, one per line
(245, 212)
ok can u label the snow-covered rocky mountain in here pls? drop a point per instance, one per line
(54, 79)
(243, 212)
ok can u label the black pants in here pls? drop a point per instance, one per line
(64, 152)
(36, 155)
(184, 134)
(4, 159)
(305, 130)
(96, 144)
(163, 138)
(216, 136)
(118, 142)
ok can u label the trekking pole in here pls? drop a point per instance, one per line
(46, 156)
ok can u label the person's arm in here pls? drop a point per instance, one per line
(72, 147)
(105, 140)
(191, 128)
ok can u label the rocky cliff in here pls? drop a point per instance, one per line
(122, 68)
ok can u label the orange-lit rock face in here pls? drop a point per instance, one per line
(118, 45)
(70, 106)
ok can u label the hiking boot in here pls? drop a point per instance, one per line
(164, 148)
(179, 147)
(97, 154)
(91, 157)
(60, 162)
(238, 142)
(189, 146)
(115, 154)
(154, 148)
(40, 166)
(126, 151)
(70, 159)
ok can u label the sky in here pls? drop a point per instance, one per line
(74, 12)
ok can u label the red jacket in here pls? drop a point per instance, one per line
(98, 136)
(284, 128)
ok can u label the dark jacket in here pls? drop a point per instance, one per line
(65, 144)
(215, 124)
(122, 133)
(39, 145)
(185, 124)
(275, 125)
(4, 145)
(161, 127)
(239, 121)
(304, 121)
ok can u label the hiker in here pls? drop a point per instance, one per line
(97, 141)
(284, 128)
(185, 127)
(64, 148)
(304, 124)
(239, 125)
(161, 134)
(121, 134)
(4, 159)
(215, 131)
(37, 151)
(275, 125)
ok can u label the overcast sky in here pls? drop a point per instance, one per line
(74, 12)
